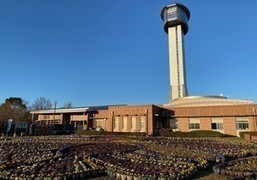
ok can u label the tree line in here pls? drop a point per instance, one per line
(18, 109)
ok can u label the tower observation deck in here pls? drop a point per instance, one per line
(175, 19)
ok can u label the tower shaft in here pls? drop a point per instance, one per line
(178, 86)
(175, 18)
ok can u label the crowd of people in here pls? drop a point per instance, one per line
(80, 157)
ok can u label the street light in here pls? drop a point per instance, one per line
(55, 102)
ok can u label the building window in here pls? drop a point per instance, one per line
(194, 123)
(133, 123)
(142, 123)
(124, 123)
(173, 123)
(216, 124)
(56, 121)
(242, 124)
(116, 123)
(99, 123)
(194, 126)
(45, 116)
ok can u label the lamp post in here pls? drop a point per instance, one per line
(55, 102)
(112, 120)
(254, 119)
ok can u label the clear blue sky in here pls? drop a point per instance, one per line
(97, 52)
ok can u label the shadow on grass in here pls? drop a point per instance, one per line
(208, 174)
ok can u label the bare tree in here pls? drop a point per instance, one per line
(67, 105)
(42, 103)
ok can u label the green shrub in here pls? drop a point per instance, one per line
(206, 133)
(252, 133)
(81, 132)
(44, 130)
(197, 133)
(91, 132)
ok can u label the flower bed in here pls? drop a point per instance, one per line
(241, 168)
(210, 149)
(121, 157)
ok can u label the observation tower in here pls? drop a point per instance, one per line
(175, 18)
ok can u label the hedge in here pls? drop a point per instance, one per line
(163, 132)
(43, 130)
(196, 133)
(251, 133)
(92, 132)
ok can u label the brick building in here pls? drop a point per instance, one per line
(190, 113)
(217, 113)
(116, 118)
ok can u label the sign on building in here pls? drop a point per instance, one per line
(21, 125)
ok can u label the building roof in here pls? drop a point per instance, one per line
(195, 101)
(74, 110)
(52, 111)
